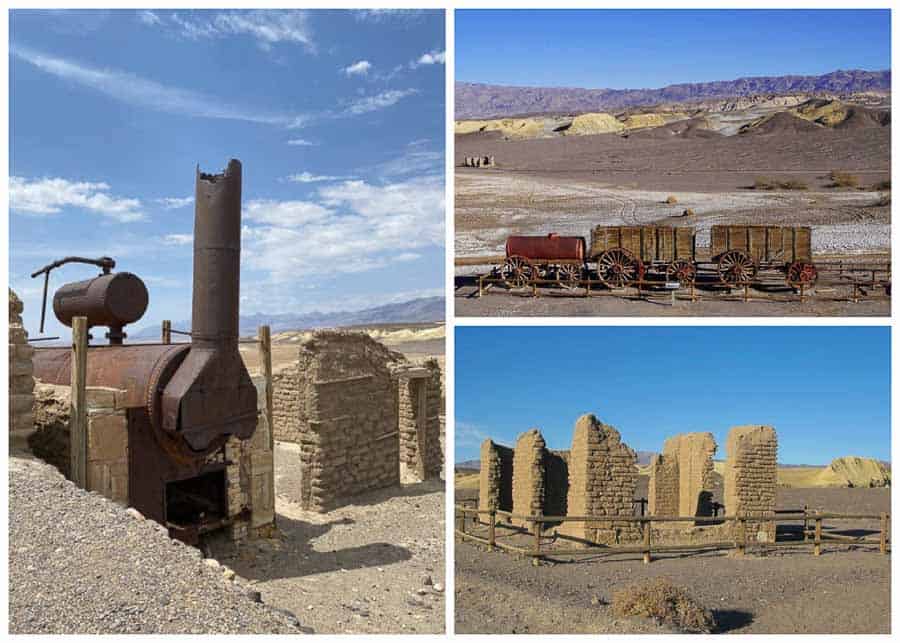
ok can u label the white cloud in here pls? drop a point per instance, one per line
(178, 239)
(355, 226)
(433, 57)
(149, 18)
(300, 141)
(174, 203)
(51, 196)
(415, 161)
(468, 435)
(385, 99)
(132, 89)
(308, 177)
(360, 68)
(382, 15)
(267, 27)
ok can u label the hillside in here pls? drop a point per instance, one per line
(475, 100)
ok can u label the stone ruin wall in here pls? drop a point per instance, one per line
(479, 161)
(21, 382)
(556, 484)
(751, 477)
(602, 480)
(693, 453)
(420, 423)
(249, 476)
(528, 476)
(662, 488)
(495, 478)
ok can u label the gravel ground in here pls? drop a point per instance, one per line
(80, 564)
(375, 566)
(846, 590)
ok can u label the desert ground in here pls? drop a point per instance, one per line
(547, 181)
(786, 590)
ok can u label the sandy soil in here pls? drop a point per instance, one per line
(376, 565)
(845, 590)
(568, 185)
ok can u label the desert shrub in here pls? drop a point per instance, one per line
(793, 184)
(671, 200)
(664, 602)
(843, 179)
(688, 213)
(881, 186)
(763, 183)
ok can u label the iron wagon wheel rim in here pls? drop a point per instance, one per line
(568, 275)
(619, 267)
(682, 270)
(802, 273)
(735, 267)
(517, 271)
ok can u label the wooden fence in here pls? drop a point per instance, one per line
(647, 548)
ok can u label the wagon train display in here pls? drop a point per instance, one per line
(666, 256)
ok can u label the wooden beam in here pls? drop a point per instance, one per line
(78, 410)
(265, 361)
(167, 331)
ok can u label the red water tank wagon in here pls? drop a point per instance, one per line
(551, 247)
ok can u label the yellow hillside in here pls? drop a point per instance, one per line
(594, 123)
(466, 480)
(829, 113)
(855, 471)
(642, 121)
(509, 127)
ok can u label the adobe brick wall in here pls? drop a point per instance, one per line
(662, 488)
(602, 479)
(420, 408)
(21, 381)
(751, 477)
(495, 478)
(694, 453)
(528, 476)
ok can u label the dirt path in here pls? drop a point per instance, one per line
(375, 566)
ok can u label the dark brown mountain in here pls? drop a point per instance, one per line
(474, 100)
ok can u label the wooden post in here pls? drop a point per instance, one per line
(265, 366)
(480, 284)
(742, 536)
(817, 548)
(461, 522)
(538, 523)
(167, 331)
(882, 545)
(647, 557)
(805, 523)
(78, 410)
(491, 530)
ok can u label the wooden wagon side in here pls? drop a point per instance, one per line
(624, 253)
(740, 251)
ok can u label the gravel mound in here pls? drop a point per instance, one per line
(80, 564)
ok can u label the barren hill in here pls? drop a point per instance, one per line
(475, 100)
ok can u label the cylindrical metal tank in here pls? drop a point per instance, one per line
(112, 300)
(546, 248)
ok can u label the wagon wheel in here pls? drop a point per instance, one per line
(517, 271)
(736, 268)
(568, 275)
(619, 267)
(685, 272)
(801, 273)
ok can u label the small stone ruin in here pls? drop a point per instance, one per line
(751, 477)
(681, 478)
(479, 161)
(352, 416)
(21, 382)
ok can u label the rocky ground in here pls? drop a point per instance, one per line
(375, 566)
(80, 564)
(845, 590)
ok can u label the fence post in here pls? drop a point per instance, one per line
(538, 523)
(78, 405)
(491, 533)
(647, 557)
(817, 548)
(805, 523)
(461, 522)
(167, 331)
(883, 541)
(742, 536)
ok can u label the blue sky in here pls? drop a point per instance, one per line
(337, 116)
(622, 49)
(826, 390)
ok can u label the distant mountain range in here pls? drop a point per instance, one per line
(476, 101)
(425, 309)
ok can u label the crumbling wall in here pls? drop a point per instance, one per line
(421, 453)
(751, 477)
(495, 478)
(340, 403)
(602, 479)
(21, 381)
(528, 476)
(662, 489)
(693, 452)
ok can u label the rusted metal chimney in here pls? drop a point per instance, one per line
(211, 393)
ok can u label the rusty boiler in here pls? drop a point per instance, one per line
(183, 401)
(546, 247)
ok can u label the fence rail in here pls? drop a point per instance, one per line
(740, 542)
